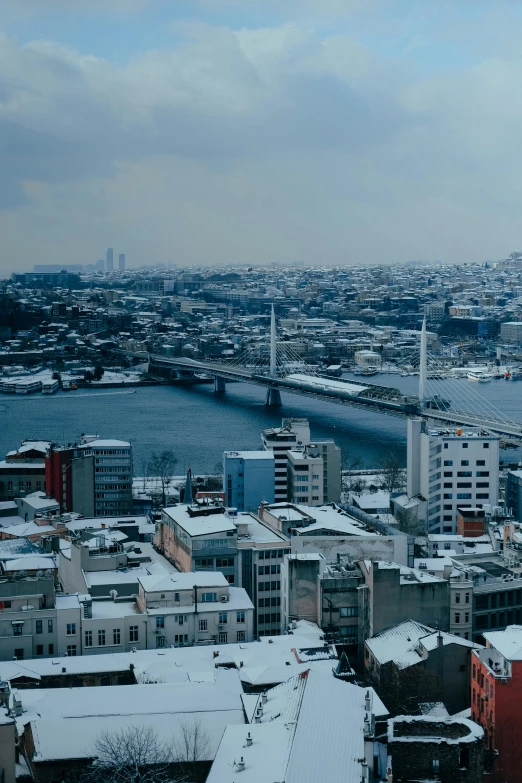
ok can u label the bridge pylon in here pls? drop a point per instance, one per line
(273, 398)
(219, 384)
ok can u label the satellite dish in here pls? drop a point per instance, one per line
(39, 574)
(48, 572)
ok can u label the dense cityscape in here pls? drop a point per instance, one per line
(293, 599)
(260, 391)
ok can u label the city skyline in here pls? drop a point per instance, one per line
(224, 132)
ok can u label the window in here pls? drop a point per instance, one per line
(176, 596)
(445, 445)
(463, 485)
(436, 766)
(485, 445)
(448, 496)
(203, 625)
(223, 618)
(448, 474)
(39, 649)
(448, 463)
(464, 473)
(101, 637)
(9, 486)
(474, 672)
(38, 486)
(457, 598)
(240, 636)
(133, 633)
(240, 617)
(466, 617)
(463, 495)
(464, 463)
(51, 649)
(19, 654)
(466, 600)
(116, 636)
(71, 650)
(348, 611)
(17, 629)
(223, 637)
(207, 598)
(457, 618)
(160, 621)
(38, 626)
(71, 629)
(88, 638)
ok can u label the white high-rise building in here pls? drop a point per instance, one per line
(293, 434)
(451, 468)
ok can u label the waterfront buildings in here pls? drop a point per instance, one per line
(451, 469)
(23, 470)
(248, 478)
(511, 332)
(286, 443)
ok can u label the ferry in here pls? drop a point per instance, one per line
(28, 387)
(334, 371)
(482, 376)
(49, 387)
(367, 371)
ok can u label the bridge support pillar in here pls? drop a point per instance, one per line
(273, 398)
(219, 384)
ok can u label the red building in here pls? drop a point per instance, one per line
(471, 522)
(496, 702)
(58, 478)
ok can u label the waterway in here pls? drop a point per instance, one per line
(199, 425)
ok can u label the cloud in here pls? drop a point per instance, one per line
(257, 144)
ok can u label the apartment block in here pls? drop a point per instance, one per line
(249, 479)
(451, 469)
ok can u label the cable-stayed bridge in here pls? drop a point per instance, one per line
(278, 367)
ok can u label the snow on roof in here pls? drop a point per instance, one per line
(39, 500)
(507, 642)
(409, 643)
(16, 547)
(28, 529)
(183, 581)
(284, 511)
(63, 739)
(330, 748)
(106, 444)
(30, 563)
(475, 731)
(265, 759)
(409, 575)
(201, 525)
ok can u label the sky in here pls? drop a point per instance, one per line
(256, 131)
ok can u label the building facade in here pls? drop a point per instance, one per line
(249, 479)
(451, 469)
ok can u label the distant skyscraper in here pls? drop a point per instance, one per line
(109, 260)
(100, 265)
(121, 262)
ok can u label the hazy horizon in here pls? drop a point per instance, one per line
(256, 131)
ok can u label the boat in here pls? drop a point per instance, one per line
(367, 371)
(334, 371)
(482, 376)
(66, 385)
(73, 386)
(49, 387)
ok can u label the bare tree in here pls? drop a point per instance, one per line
(392, 473)
(162, 466)
(192, 749)
(144, 678)
(131, 755)
(351, 480)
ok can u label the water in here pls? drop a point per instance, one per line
(199, 425)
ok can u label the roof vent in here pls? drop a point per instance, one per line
(240, 765)
(249, 740)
